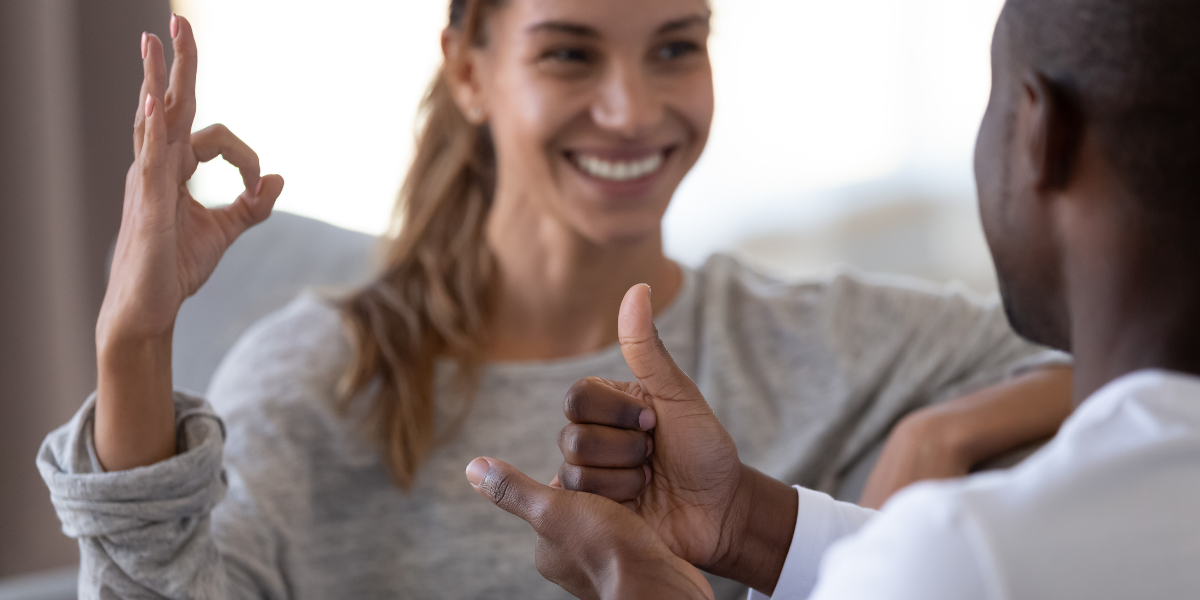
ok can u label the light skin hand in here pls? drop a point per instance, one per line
(167, 247)
(948, 440)
(589, 545)
(705, 505)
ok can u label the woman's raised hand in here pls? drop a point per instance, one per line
(168, 246)
(169, 243)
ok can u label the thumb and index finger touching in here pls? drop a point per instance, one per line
(166, 110)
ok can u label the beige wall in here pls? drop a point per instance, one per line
(69, 76)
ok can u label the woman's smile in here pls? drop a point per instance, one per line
(623, 172)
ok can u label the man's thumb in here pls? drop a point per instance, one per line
(510, 489)
(645, 353)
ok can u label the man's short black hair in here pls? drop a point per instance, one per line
(1132, 68)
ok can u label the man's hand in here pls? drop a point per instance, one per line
(685, 478)
(589, 545)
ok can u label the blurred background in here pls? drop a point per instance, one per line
(843, 136)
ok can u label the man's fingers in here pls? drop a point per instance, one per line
(181, 95)
(603, 446)
(217, 140)
(618, 485)
(592, 400)
(645, 353)
(510, 489)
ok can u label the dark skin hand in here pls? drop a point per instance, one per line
(589, 545)
(701, 503)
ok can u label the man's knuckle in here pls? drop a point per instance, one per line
(570, 477)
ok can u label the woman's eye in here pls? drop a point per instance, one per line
(675, 50)
(566, 55)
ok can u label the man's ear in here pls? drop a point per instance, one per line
(461, 74)
(1051, 131)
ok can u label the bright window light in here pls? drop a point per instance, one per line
(812, 96)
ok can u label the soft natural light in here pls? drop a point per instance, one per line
(813, 96)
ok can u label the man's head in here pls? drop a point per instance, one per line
(1092, 137)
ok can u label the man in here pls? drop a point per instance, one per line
(1087, 165)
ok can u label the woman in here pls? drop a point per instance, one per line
(553, 140)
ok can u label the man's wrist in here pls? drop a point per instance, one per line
(757, 531)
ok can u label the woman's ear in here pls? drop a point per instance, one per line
(461, 73)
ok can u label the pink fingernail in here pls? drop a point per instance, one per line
(144, 40)
(258, 188)
(647, 419)
(149, 105)
(649, 446)
(174, 26)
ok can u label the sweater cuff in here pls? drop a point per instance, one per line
(1039, 360)
(91, 502)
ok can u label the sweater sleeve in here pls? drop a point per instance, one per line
(902, 346)
(148, 532)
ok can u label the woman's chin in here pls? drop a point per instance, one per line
(621, 231)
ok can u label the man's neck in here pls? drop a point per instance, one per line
(1133, 312)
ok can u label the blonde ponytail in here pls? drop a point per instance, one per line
(435, 293)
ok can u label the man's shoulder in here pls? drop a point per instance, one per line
(920, 546)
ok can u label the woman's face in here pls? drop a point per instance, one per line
(597, 108)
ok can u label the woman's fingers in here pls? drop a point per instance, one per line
(153, 158)
(181, 95)
(217, 140)
(250, 209)
(139, 118)
(154, 83)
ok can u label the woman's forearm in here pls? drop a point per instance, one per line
(1007, 416)
(948, 439)
(135, 414)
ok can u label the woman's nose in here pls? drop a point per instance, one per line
(627, 103)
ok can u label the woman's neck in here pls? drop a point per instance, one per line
(559, 293)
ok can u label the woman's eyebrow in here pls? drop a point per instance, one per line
(563, 27)
(579, 30)
(684, 23)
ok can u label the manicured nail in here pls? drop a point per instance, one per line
(258, 188)
(477, 470)
(174, 26)
(149, 105)
(144, 40)
(647, 420)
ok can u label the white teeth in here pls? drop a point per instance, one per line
(619, 170)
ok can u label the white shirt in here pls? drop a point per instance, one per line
(1109, 509)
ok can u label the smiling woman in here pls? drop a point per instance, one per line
(812, 96)
(328, 464)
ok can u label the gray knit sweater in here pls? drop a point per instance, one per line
(275, 494)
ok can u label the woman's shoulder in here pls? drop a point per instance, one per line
(731, 283)
(296, 353)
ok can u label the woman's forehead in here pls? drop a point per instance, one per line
(604, 18)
